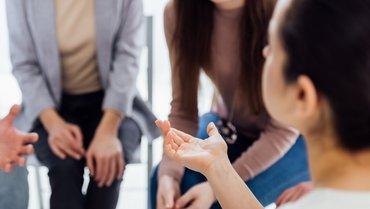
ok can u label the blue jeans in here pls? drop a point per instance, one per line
(14, 189)
(290, 170)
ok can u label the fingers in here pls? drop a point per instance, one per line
(184, 136)
(29, 138)
(57, 151)
(212, 129)
(76, 132)
(71, 151)
(112, 172)
(178, 140)
(165, 126)
(171, 153)
(187, 198)
(8, 168)
(98, 167)
(14, 111)
(102, 170)
(284, 197)
(20, 161)
(26, 150)
(70, 146)
(90, 163)
(296, 195)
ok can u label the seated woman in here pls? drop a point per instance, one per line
(312, 42)
(14, 145)
(224, 39)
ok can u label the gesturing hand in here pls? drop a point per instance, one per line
(196, 154)
(14, 145)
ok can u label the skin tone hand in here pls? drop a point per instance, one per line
(209, 157)
(199, 196)
(168, 192)
(104, 157)
(14, 145)
(168, 188)
(196, 154)
(294, 193)
(65, 139)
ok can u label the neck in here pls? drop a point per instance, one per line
(229, 5)
(333, 167)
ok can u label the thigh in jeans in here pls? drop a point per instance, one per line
(14, 189)
(290, 170)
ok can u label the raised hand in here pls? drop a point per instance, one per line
(196, 154)
(14, 145)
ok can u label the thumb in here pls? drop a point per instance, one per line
(212, 129)
(14, 111)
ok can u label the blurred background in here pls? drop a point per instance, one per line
(134, 189)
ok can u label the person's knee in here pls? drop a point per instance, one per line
(66, 168)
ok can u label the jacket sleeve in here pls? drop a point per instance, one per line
(128, 42)
(26, 67)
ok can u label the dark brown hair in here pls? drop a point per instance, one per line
(192, 44)
(329, 41)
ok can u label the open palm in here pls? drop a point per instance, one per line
(191, 152)
(14, 145)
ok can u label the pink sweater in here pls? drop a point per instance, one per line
(274, 139)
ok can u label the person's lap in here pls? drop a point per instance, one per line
(66, 176)
(267, 186)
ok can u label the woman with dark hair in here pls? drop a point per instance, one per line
(311, 43)
(225, 39)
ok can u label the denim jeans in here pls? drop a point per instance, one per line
(290, 170)
(14, 189)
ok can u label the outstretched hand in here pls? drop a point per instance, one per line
(14, 145)
(196, 154)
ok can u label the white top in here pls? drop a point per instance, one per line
(332, 199)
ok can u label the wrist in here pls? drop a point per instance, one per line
(50, 118)
(218, 169)
(110, 122)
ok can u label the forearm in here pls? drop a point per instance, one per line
(110, 122)
(49, 117)
(230, 189)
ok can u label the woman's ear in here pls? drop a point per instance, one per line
(307, 98)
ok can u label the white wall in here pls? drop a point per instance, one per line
(9, 91)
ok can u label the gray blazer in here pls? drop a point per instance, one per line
(36, 61)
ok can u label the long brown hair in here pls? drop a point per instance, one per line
(192, 44)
